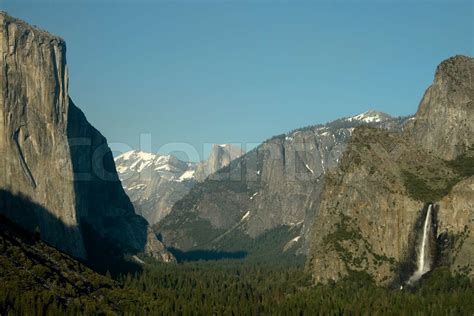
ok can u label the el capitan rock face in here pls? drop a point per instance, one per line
(35, 154)
(52, 157)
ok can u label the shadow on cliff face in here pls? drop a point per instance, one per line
(37, 219)
(110, 227)
(34, 218)
(104, 256)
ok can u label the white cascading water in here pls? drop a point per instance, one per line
(424, 259)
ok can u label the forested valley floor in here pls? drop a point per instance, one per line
(36, 279)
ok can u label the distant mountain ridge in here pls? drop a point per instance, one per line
(271, 191)
(155, 182)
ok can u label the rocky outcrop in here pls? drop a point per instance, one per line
(52, 157)
(219, 158)
(366, 213)
(371, 210)
(374, 202)
(444, 122)
(273, 189)
(156, 182)
(456, 224)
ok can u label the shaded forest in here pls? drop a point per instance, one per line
(36, 279)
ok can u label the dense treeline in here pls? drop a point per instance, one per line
(219, 287)
(237, 288)
(36, 279)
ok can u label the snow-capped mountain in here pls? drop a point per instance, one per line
(169, 167)
(155, 182)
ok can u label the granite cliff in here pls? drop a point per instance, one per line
(57, 174)
(219, 158)
(374, 202)
(266, 200)
(444, 122)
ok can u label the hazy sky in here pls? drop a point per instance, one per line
(218, 71)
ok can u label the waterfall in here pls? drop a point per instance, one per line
(424, 258)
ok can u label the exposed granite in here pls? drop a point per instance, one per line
(273, 186)
(444, 122)
(53, 157)
(372, 204)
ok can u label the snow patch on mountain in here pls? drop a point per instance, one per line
(291, 243)
(154, 182)
(369, 117)
(246, 215)
(309, 169)
(189, 174)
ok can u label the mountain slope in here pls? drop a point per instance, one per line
(40, 273)
(271, 191)
(37, 279)
(155, 182)
(375, 201)
(56, 170)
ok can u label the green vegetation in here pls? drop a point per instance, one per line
(268, 247)
(216, 243)
(464, 165)
(347, 237)
(240, 288)
(38, 280)
(339, 239)
(432, 183)
(422, 190)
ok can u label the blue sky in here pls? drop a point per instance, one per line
(202, 72)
